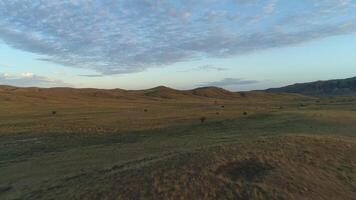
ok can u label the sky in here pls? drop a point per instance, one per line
(184, 44)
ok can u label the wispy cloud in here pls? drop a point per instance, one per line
(113, 37)
(92, 75)
(205, 68)
(29, 79)
(4, 66)
(229, 82)
(270, 6)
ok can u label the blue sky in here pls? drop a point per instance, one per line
(136, 44)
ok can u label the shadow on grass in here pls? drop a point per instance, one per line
(250, 170)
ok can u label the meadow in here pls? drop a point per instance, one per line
(153, 144)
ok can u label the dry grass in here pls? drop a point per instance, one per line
(289, 167)
(107, 111)
(151, 144)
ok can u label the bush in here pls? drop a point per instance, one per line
(217, 113)
(145, 110)
(222, 106)
(54, 112)
(244, 113)
(202, 119)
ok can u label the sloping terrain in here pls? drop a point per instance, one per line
(93, 110)
(291, 167)
(64, 143)
(321, 88)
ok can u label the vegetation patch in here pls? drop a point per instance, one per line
(5, 188)
(250, 170)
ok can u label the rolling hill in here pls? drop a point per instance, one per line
(156, 93)
(151, 144)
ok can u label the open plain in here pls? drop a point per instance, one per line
(162, 143)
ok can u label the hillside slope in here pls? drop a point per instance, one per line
(152, 144)
(321, 88)
(70, 110)
(11, 93)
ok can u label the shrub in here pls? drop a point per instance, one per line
(54, 112)
(202, 119)
(145, 110)
(222, 106)
(244, 113)
(217, 113)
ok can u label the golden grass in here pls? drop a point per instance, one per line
(151, 144)
(107, 111)
(288, 167)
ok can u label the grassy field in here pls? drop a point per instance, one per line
(152, 145)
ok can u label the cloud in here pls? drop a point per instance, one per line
(4, 66)
(211, 68)
(114, 37)
(29, 79)
(205, 68)
(229, 82)
(92, 75)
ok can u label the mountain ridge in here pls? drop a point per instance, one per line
(334, 87)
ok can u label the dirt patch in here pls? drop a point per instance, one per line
(251, 170)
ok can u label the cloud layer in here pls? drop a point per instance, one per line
(125, 36)
(229, 82)
(205, 68)
(29, 79)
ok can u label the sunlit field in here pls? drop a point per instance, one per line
(153, 144)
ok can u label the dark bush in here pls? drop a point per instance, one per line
(244, 113)
(202, 119)
(145, 110)
(217, 113)
(54, 112)
(222, 106)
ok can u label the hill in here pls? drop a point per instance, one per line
(213, 92)
(156, 93)
(90, 110)
(321, 88)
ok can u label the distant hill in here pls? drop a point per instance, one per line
(213, 92)
(204, 92)
(60, 94)
(321, 88)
